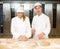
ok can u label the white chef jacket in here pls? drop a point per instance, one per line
(20, 27)
(41, 24)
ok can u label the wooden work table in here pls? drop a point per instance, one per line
(8, 43)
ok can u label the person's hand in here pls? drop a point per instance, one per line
(33, 31)
(40, 36)
(23, 38)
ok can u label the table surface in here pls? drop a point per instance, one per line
(9, 43)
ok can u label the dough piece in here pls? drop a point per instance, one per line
(3, 47)
(45, 43)
(57, 41)
(32, 43)
(9, 41)
(15, 46)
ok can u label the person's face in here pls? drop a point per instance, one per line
(38, 9)
(20, 14)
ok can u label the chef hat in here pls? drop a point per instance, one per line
(20, 9)
(36, 4)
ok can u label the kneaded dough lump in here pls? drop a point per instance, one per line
(45, 43)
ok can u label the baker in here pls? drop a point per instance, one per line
(41, 23)
(20, 26)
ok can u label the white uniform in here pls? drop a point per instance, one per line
(41, 24)
(20, 27)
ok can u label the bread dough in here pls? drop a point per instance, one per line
(15, 46)
(32, 43)
(9, 41)
(57, 41)
(3, 47)
(45, 43)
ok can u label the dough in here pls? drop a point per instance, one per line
(3, 47)
(57, 41)
(45, 43)
(9, 41)
(15, 46)
(32, 43)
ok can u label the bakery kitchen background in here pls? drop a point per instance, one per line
(50, 8)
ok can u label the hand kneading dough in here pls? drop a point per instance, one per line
(45, 43)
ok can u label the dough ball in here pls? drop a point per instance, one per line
(45, 43)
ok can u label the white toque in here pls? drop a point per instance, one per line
(36, 4)
(20, 9)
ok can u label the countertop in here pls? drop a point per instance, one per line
(9, 43)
